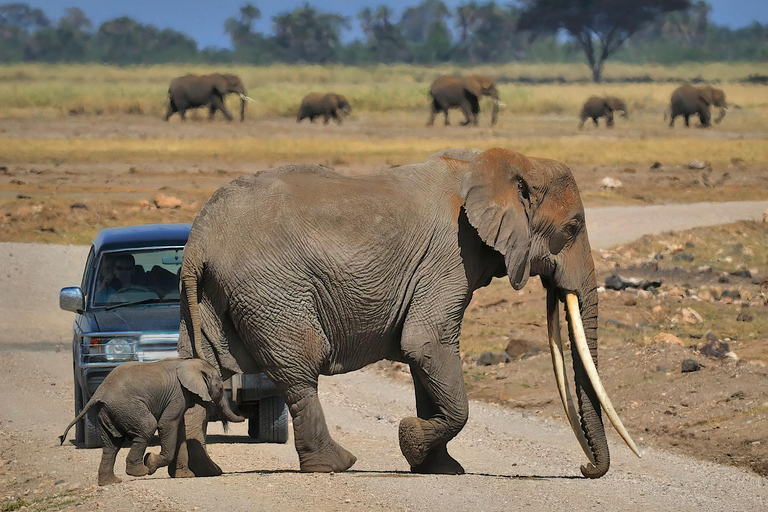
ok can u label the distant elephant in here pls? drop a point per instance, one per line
(328, 105)
(597, 107)
(138, 398)
(688, 100)
(192, 91)
(462, 92)
(300, 272)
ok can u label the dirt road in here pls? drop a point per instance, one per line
(513, 461)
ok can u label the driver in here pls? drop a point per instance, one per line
(117, 273)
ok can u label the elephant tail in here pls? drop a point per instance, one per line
(93, 401)
(191, 275)
(667, 112)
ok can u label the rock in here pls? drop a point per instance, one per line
(677, 293)
(690, 316)
(744, 317)
(656, 165)
(697, 164)
(617, 282)
(650, 264)
(166, 201)
(705, 296)
(665, 337)
(78, 206)
(609, 183)
(683, 256)
(704, 269)
(714, 346)
(489, 358)
(742, 273)
(689, 365)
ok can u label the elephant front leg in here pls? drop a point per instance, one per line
(179, 466)
(318, 452)
(192, 456)
(441, 406)
(217, 102)
(168, 430)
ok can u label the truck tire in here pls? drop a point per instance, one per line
(91, 434)
(271, 425)
(79, 426)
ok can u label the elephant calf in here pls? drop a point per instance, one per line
(138, 398)
(448, 92)
(328, 106)
(597, 107)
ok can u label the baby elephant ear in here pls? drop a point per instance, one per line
(497, 201)
(193, 377)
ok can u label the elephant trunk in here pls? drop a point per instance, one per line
(496, 106)
(721, 115)
(587, 424)
(226, 412)
(243, 99)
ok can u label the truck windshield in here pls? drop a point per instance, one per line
(137, 276)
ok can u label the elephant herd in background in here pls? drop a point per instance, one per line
(446, 92)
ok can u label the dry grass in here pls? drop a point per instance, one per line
(57, 90)
(391, 151)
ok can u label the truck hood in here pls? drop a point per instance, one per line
(151, 318)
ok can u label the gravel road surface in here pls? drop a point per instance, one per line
(513, 462)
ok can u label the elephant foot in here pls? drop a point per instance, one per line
(439, 462)
(152, 463)
(180, 473)
(200, 464)
(417, 438)
(137, 469)
(332, 459)
(108, 480)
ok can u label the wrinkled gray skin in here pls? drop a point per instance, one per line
(193, 91)
(449, 92)
(597, 107)
(138, 398)
(688, 100)
(328, 106)
(302, 272)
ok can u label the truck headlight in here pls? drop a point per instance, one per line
(120, 349)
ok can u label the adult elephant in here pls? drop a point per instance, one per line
(688, 100)
(302, 272)
(596, 107)
(328, 106)
(193, 91)
(449, 92)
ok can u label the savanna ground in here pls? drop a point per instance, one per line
(85, 147)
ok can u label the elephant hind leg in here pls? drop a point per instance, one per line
(110, 446)
(434, 109)
(170, 111)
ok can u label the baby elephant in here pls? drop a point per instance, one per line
(138, 398)
(328, 105)
(596, 107)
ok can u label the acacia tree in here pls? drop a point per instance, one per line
(599, 26)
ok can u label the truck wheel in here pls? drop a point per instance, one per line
(79, 427)
(271, 425)
(91, 435)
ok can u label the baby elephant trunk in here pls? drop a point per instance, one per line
(227, 414)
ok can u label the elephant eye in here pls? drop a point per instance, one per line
(523, 187)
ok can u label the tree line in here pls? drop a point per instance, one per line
(660, 31)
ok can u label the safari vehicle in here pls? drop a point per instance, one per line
(127, 309)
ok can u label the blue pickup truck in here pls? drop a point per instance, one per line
(127, 309)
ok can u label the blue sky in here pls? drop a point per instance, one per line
(204, 19)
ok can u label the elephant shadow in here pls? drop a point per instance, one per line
(362, 473)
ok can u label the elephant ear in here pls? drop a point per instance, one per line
(193, 377)
(497, 201)
(609, 105)
(706, 96)
(220, 85)
(472, 86)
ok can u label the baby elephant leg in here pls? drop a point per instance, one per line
(110, 446)
(168, 430)
(134, 463)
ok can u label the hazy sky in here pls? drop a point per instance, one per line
(204, 19)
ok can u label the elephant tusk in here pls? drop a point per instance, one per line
(246, 98)
(556, 349)
(572, 305)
